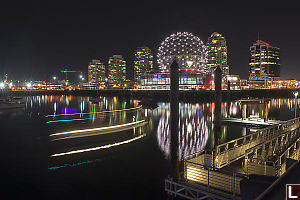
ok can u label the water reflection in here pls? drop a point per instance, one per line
(194, 128)
(196, 122)
(71, 112)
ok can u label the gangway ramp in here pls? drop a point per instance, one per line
(270, 158)
(233, 150)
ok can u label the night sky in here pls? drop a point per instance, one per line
(38, 39)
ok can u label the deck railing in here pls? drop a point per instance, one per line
(235, 149)
(276, 167)
(213, 179)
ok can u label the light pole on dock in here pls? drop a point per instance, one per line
(296, 95)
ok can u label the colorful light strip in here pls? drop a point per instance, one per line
(70, 120)
(76, 164)
(135, 108)
(67, 71)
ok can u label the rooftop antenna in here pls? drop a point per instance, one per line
(257, 35)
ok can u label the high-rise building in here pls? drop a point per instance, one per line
(217, 53)
(143, 63)
(264, 61)
(116, 70)
(96, 72)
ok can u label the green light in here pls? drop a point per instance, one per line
(222, 135)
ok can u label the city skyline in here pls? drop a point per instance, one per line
(42, 43)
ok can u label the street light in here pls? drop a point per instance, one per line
(28, 85)
(296, 94)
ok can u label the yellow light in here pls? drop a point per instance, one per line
(97, 148)
(97, 129)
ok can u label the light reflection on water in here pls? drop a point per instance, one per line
(140, 164)
(193, 130)
(195, 118)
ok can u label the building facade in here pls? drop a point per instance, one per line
(233, 81)
(116, 70)
(189, 52)
(187, 81)
(217, 53)
(143, 63)
(96, 73)
(264, 62)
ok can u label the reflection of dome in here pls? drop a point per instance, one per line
(188, 50)
(193, 132)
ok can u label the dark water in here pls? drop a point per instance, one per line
(129, 164)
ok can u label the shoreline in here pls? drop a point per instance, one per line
(159, 95)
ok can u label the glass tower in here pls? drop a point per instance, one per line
(143, 63)
(264, 61)
(217, 53)
(116, 70)
(96, 72)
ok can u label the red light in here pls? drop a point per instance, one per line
(267, 44)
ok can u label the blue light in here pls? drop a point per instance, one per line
(70, 120)
(76, 164)
(69, 110)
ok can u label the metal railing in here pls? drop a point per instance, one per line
(274, 167)
(213, 179)
(204, 157)
(235, 149)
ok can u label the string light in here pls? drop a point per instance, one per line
(188, 50)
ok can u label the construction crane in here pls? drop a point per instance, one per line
(66, 73)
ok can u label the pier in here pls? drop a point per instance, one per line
(264, 152)
(232, 169)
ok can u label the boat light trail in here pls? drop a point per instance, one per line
(98, 148)
(76, 164)
(72, 136)
(97, 129)
(71, 120)
(107, 111)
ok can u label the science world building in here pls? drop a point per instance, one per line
(190, 53)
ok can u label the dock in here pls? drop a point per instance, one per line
(219, 173)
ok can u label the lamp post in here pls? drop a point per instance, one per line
(54, 79)
(296, 95)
